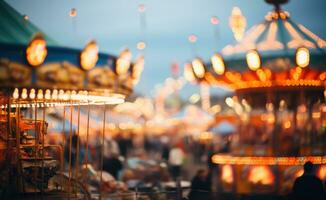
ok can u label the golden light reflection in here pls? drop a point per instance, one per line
(218, 64)
(261, 175)
(123, 62)
(322, 172)
(302, 57)
(198, 68)
(253, 60)
(89, 56)
(227, 174)
(36, 51)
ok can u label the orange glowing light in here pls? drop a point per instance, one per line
(36, 51)
(89, 56)
(261, 175)
(227, 174)
(322, 172)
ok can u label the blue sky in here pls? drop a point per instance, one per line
(116, 24)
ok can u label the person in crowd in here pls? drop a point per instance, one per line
(176, 157)
(110, 147)
(113, 165)
(308, 186)
(201, 186)
(165, 152)
(73, 151)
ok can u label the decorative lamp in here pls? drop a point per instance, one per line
(218, 64)
(302, 57)
(198, 68)
(89, 56)
(253, 60)
(36, 51)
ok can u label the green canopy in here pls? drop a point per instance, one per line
(14, 29)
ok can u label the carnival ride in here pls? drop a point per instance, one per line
(37, 74)
(279, 103)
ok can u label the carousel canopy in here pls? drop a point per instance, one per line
(16, 28)
(35, 70)
(274, 53)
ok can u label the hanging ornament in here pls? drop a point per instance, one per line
(73, 12)
(192, 38)
(237, 23)
(215, 20)
(141, 45)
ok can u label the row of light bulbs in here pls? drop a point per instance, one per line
(36, 53)
(197, 70)
(61, 95)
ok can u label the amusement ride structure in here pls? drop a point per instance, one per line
(277, 72)
(35, 75)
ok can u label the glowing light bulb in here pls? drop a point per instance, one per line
(218, 64)
(55, 94)
(40, 94)
(89, 56)
(141, 45)
(24, 93)
(16, 93)
(198, 68)
(36, 51)
(61, 94)
(47, 94)
(302, 57)
(253, 60)
(32, 94)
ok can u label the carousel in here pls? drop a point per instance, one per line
(38, 75)
(277, 72)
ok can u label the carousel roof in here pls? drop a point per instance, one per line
(278, 32)
(275, 53)
(17, 28)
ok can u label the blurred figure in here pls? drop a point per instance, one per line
(175, 161)
(113, 165)
(73, 151)
(165, 152)
(110, 147)
(308, 186)
(201, 186)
